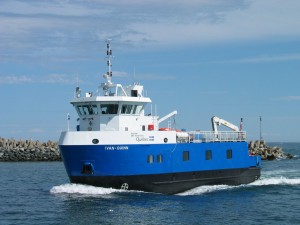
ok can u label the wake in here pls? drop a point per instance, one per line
(87, 190)
(83, 190)
(275, 181)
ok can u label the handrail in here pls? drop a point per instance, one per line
(220, 136)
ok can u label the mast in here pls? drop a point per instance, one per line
(109, 57)
(260, 134)
(108, 74)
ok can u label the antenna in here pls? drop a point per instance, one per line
(241, 124)
(68, 121)
(260, 135)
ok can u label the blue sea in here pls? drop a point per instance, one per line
(40, 193)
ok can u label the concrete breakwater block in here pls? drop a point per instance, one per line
(266, 152)
(28, 150)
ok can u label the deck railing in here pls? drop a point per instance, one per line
(219, 136)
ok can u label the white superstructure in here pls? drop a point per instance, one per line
(117, 112)
(118, 109)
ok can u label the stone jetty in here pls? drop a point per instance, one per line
(28, 150)
(267, 152)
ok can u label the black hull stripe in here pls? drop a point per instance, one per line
(174, 182)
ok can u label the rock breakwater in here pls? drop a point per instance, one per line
(267, 152)
(28, 150)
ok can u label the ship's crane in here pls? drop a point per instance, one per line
(167, 116)
(216, 121)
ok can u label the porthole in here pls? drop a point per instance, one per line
(95, 141)
(166, 140)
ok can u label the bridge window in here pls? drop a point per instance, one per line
(109, 108)
(126, 109)
(139, 109)
(87, 109)
(134, 109)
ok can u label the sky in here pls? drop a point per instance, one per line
(227, 58)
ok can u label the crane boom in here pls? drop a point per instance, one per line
(216, 121)
(167, 116)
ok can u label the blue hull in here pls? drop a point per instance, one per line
(163, 168)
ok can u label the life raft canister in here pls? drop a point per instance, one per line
(164, 129)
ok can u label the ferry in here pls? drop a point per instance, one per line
(118, 145)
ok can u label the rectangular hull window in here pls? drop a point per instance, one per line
(208, 155)
(229, 154)
(159, 158)
(186, 155)
(150, 159)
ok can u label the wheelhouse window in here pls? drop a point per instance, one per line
(185, 155)
(109, 108)
(87, 109)
(138, 109)
(126, 109)
(208, 155)
(134, 109)
(229, 154)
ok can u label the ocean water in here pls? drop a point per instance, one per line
(40, 193)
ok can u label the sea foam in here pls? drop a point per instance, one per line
(206, 189)
(82, 189)
(99, 191)
(261, 182)
(276, 181)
